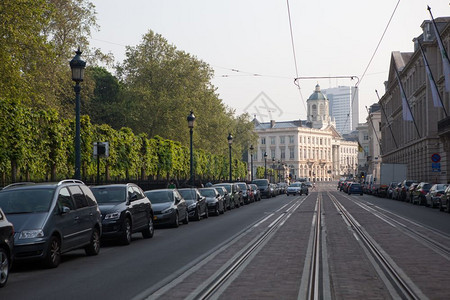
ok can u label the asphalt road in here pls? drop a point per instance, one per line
(122, 272)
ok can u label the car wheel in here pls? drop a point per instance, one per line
(125, 239)
(94, 244)
(4, 267)
(206, 213)
(186, 219)
(176, 222)
(440, 206)
(53, 257)
(197, 214)
(150, 230)
(216, 212)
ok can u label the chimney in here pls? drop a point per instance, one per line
(272, 123)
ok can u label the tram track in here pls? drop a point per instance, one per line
(216, 283)
(399, 285)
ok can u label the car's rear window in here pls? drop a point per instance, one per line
(19, 201)
(105, 195)
(159, 196)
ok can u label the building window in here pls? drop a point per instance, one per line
(291, 139)
(366, 137)
(281, 139)
(272, 153)
(283, 153)
(263, 141)
(272, 140)
(291, 153)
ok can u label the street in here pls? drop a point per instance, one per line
(265, 250)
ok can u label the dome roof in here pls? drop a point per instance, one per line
(317, 95)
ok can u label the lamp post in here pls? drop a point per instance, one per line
(230, 141)
(265, 165)
(77, 65)
(190, 120)
(251, 162)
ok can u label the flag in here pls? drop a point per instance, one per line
(407, 115)
(434, 91)
(445, 61)
(360, 148)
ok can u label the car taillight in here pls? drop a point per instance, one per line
(438, 194)
(423, 192)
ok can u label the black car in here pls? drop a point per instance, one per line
(245, 193)
(52, 218)
(196, 203)
(169, 207)
(125, 210)
(263, 186)
(6, 248)
(213, 200)
(256, 192)
(226, 197)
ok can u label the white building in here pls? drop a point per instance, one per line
(344, 105)
(310, 149)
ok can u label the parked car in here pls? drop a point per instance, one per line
(213, 200)
(125, 210)
(234, 191)
(263, 186)
(282, 186)
(256, 191)
(434, 194)
(226, 197)
(273, 189)
(396, 191)
(245, 193)
(404, 187)
(169, 207)
(196, 203)
(6, 248)
(410, 191)
(297, 188)
(251, 193)
(418, 194)
(355, 188)
(52, 218)
(390, 189)
(444, 201)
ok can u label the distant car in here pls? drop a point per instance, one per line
(396, 191)
(410, 192)
(404, 186)
(125, 210)
(263, 186)
(52, 218)
(256, 192)
(6, 248)
(418, 194)
(169, 207)
(196, 203)
(444, 201)
(226, 197)
(282, 186)
(390, 189)
(354, 188)
(297, 188)
(234, 191)
(434, 194)
(245, 195)
(213, 200)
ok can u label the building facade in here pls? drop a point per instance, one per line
(414, 142)
(344, 107)
(311, 148)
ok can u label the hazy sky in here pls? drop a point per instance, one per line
(331, 38)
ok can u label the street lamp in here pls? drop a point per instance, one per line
(251, 162)
(230, 141)
(77, 65)
(190, 120)
(265, 165)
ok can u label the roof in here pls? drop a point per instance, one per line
(317, 95)
(282, 124)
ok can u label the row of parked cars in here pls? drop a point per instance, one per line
(40, 221)
(350, 187)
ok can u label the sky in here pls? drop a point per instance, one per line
(248, 44)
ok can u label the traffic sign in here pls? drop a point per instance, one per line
(435, 157)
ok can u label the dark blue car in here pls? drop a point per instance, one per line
(355, 188)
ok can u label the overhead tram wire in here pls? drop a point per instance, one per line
(293, 52)
(373, 55)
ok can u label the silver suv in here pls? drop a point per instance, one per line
(52, 218)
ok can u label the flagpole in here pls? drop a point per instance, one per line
(389, 124)
(374, 131)
(427, 65)
(403, 95)
(445, 60)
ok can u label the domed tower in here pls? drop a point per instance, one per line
(318, 109)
